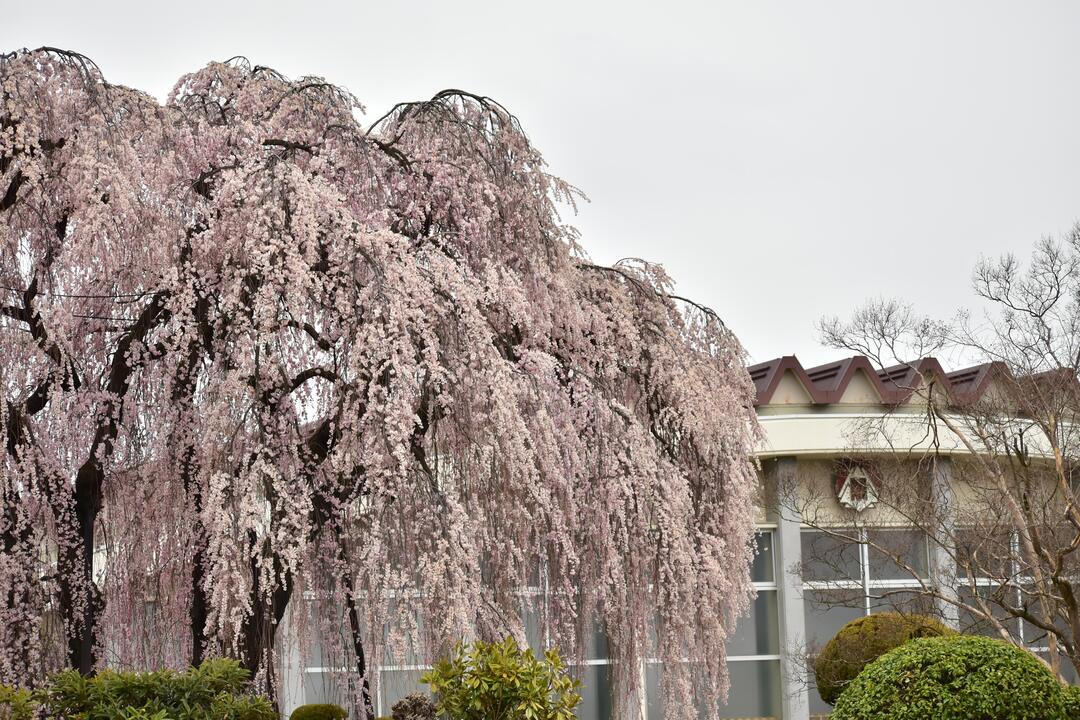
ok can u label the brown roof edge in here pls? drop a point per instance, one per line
(826, 384)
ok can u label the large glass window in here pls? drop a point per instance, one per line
(993, 578)
(753, 650)
(754, 695)
(753, 658)
(831, 556)
(396, 684)
(852, 572)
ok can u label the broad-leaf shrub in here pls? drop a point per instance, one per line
(216, 690)
(16, 704)
(319, 711)
(958, 677)
(864, 640)
(500, 680)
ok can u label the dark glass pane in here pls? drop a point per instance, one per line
(328, 628)
(826, 611)
(755, 691)
(595, 693)
(654, 700)
(396, 684)
(530, 616)
(1035, 636)
(888, 546)
(1067, 669)
(402, 633)
(596, 644)
(818, 707)
(762, 568)
(825, 556)
(985, 552)
(976, 623)
(758, 633)
(321, 688)
(908, 602)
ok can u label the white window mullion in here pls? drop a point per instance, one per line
(864, 562)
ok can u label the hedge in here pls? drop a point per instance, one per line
(957, 677)
(864, 640)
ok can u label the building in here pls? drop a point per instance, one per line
(825, 428)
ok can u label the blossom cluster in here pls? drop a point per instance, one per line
(256, 351)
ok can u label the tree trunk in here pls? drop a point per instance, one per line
(358, 649)
(199, 601)
(80, 599)
(259, 630)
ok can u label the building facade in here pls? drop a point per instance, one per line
(828, 551)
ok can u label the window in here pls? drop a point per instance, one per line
(396, 684)
(753, 659)
(998, 577)
(852, 572)
(754, 695)
(753, 650)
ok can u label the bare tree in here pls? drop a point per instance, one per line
(975, 471)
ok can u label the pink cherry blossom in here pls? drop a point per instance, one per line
(258, 356)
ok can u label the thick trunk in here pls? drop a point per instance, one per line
(17, 634)
(80, 599)
(184, 395)
(199, 601)
(258, 634)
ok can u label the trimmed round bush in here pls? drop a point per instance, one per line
(957, 677)
(1072, 701)
(319, 711)
(864, 640)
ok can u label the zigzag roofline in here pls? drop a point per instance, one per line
(826, 384)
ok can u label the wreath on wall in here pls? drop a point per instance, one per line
(857, 485)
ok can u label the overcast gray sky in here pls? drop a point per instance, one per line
(782, 160)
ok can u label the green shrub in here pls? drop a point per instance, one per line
(216, 690)
(958, 677)
(319, 711)
(413, 707)
(864, 640)
(1071, 699)
(500, 680)
(16, 704)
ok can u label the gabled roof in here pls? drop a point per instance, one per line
(826, 384)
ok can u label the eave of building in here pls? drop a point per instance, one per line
(848, 408)
(784, 381)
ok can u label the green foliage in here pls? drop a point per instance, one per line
(216, 690)
(864, 640)
(1071, 698)
(956, 677)
(319, 711)
(413, 707)
(16, 704)
(500, 681)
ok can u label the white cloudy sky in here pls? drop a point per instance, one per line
(783, 160)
